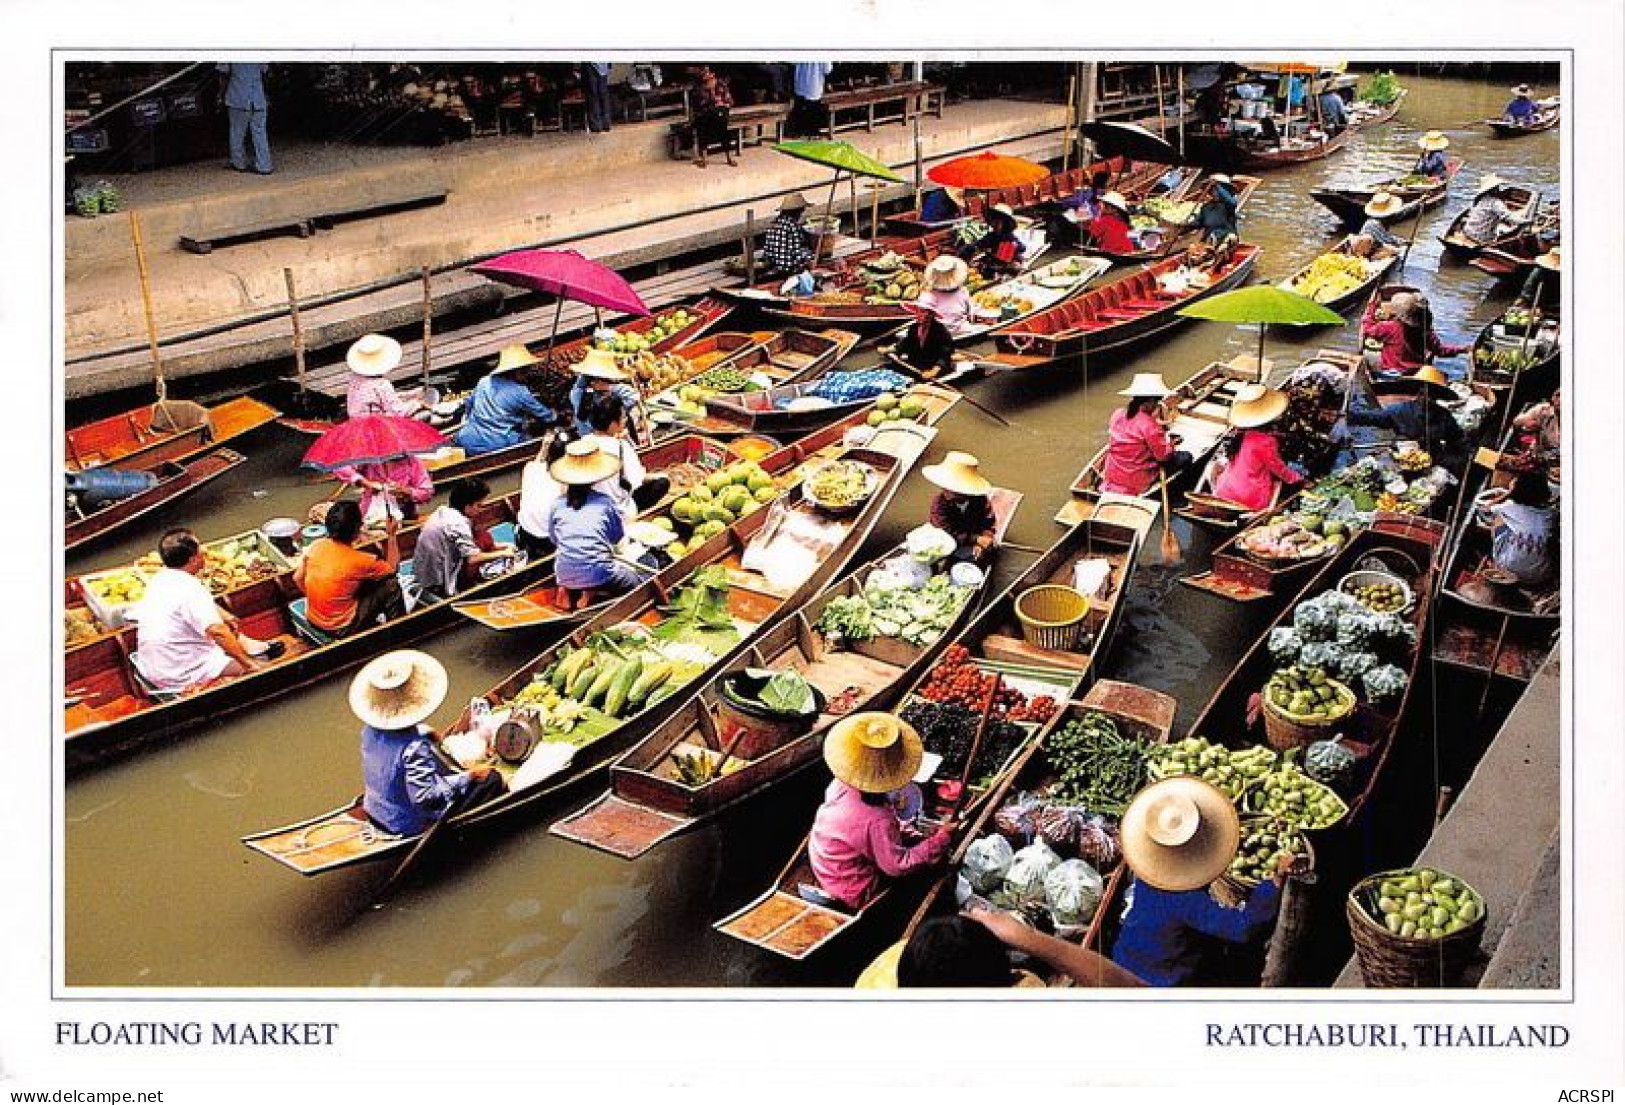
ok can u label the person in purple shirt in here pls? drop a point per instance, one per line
(1522, 109)
(410, 784)
(586, 527)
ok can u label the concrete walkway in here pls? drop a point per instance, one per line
(618, 197)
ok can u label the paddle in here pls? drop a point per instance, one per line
(915, 374)
(1170, 543)
(1415, 226)
(454, 807)
(975, 749)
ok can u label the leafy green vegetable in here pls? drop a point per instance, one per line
(786, 693)
(699, 614)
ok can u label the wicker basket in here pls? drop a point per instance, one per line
(1052, 616)
(1368, 577)
(1232, 893)
(1391, 961)
(1284, 730)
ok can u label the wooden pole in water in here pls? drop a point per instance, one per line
(1291, 923)
(1162, 118)
(1071, 112)
(1180, 76)
(750, 246)
(428, 322)
(146, 306)
(298, 329)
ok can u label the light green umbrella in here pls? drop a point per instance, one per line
(1263, 305)
(843, 157)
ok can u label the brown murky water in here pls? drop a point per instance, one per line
(160, 893)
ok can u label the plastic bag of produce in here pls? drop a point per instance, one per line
(928, 544)
(1091, 577)
(1072, 891)
(1385, 683)
(1321, 654)
(1393, 629)
(1028, 870)
(1017, 818)
(1285, 643)
(987, 861)
(1356, 629)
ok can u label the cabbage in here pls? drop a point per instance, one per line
(1322, 654)
(1355, 664)
(1284, 645)
(1072, 891)
(986, 863)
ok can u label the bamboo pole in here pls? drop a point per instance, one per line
(428, 322)
(1071, 113)
(146, 306)
(1162, 118)
(1179, 74)
(298, 329)
(750, 245)
(874, 210)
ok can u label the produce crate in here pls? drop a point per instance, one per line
(110, 614)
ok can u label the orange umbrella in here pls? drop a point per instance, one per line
(988, 170)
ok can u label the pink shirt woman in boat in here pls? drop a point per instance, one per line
(371, 359)
(1139, 449)
(856, 839)
(1252, 471)
(945, 294)
(1401, 336)
(402, 485)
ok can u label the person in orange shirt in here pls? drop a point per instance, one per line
(348, 590)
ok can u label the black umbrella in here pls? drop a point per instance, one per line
(1130, 141)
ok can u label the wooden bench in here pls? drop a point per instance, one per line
(747, 126)
(199, 241)
(864, 107)
(668, 99)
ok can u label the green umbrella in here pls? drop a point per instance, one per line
(843, 157)
(1263, 304)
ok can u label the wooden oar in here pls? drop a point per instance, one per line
(975, 749)
(915, 373)
(1415, 226)
(1170, 543)
(454, 807)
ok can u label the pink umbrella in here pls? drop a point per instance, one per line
(568, 275)
(372, 439)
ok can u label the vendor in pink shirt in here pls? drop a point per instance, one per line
(369, 391)
(1254, 464)
(1139, 449)
(1398, 334)
(946, 295)
(856, 837)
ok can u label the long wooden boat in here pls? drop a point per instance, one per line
(148, 437)
(1198, 410)
(1361, 116)
(649, 800)
(1549, 112)
(1376, 267)
(1138, 711)
(1348, 204)
(1173, 233)
(1132, 179)
(781, 919)
(768, 411)
(1115, 317)
(1519, 355)
(1206, 509)
(1523, 204)
(112, 710)
(1513, 257)
(766, 293)
(535, 605)
(1407, 547)
(174, 479)
(344, 837)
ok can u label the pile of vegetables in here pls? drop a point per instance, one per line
(840, 483)
(1308, 693)
(1423, 904)
(1287, 794)
(889, 607)
(77, 627)
(1509, 361)
(1095, 764)
(971, 231)
(889, 408)
(632, 341)
(725, 378)
(1289, 539)
(888, 279)
(1382, 89)
(949, 729)
(1263, 842)
(726, 496)
(1329, 276)
(1231, 771)
(958, 679)
(1338, 634)
(1048, 892)
(1384, 598)
(1171, 211)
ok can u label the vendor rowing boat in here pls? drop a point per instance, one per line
(1418, 192)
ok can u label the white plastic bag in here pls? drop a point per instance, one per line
(986, 863)
(1072, 891)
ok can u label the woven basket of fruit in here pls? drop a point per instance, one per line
(1299, 706)
(1263, 841)
(1379, 591)
(1414, 927)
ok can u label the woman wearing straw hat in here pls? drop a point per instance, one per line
(962, 508)
(998, 252)
(1109, 231)
(1254, 465)
(944, 205)
(785, 249)
(1139, 448)
(927, 346)
(1423, 418)
(598, 374)
(409, 783)
(1178, 836)
(1522, 108)
(946, 297)
(586, 528)
(1399, 337)
(856, 838)
(1374, 235)
(1489, 218)
(1432, 162)
(1547, 269)
(371, 359)
(1220, 214)
(504, 408)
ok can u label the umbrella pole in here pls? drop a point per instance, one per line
(852, 201)
(829, 210)
(1261, 329)
(1180, 76)
(1415, 226)
(558, 310)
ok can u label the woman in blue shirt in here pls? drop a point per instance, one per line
(598, 374)
(586, 527)
(503, 406)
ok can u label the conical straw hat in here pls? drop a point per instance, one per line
(1146, 384)
(583, 463)
(1180, 834)
(873, 752)
(960, 473)
(1383, 203)
(398, 689)
(600, 365)
(515, 356)
(373, 355)
(1260, 410)
(1433, 140)
(946, 273)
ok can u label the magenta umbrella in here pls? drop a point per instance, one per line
(568, 275)
(372, 439)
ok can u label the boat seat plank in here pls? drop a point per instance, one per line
(1014, 650)
(621, 828)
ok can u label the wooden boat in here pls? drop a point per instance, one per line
(1519, 359)
(767, 411)
(1364, 113)
(1115, 317)
(766, 294)
(1523, 204)
(1207, 509)
(1294, 151)
(1348, 204)
(1137, 710)
(1549, 112)
(536, 605)
(1200, 415)
(114, 711)
(1406, 547)
(344, 837)
(1172, 233)
(1132, 179)
(152, 436)
(1376, 267)
(1036, 290)
(1513, 257)
(649, 801)
(174, 479)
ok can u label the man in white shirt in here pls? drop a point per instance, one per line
(182, 639)
(446, 551)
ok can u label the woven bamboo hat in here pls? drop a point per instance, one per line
(583, 463)
(1259, 410)
(600, 365)
(1383, 203)
(1489, 182)
(1180, 834)
(1551, 260)
(373, 355)
(515, 356)
(398, 689)
(873, 752)
(1437, 383)
(795, 201)
(1405, 306)
(1220, 178)
(1522, 90)
(959, 473)
(946, 273)
(1115, 199)
(1146, 384)
(1433, 140)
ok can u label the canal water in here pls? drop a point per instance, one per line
(158, 891)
